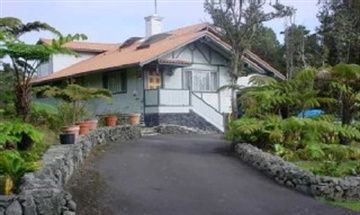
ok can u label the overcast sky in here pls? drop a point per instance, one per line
(116, 20)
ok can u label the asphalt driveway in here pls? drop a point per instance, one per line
(182, 175)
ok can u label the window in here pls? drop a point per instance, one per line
(115, 82)
(200, 80)
(154, 80)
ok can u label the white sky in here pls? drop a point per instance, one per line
(116, 20)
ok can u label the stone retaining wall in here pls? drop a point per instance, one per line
(346, 188)
(42, 191)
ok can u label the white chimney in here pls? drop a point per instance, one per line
(152, 25)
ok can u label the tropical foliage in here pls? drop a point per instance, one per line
(13, 167)
(239, 22)
(283, 97)
(273, 123)
(21, 146)
(74, 99)
(26, 58)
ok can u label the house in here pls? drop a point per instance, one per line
(167, 77)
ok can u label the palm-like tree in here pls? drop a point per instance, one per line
(345, 82)
(26, 58)
(283, 97)
(17, 28)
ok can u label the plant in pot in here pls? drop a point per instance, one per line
(111, 119)
(134, 118)
(74, 100)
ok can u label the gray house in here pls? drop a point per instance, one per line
(168, 77)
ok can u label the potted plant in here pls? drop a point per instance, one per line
(74, 100)
(65, 111)
(134, 118)
(67, 138)
(71, 129)
(111, 120)
(84, 127)
(93, 123)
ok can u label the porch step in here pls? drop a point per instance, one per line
(148, 132)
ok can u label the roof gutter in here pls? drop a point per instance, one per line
(84, 73)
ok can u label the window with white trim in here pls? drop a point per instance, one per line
(198, 80)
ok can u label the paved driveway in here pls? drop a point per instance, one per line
(182, 175)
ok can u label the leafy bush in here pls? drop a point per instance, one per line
(35, 153)
(290, 132)
(45, 114)
(329, 168)
(74, 99)
(14, 132)
(13, 166)
(295, 138)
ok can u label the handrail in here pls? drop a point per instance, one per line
(206, 103)
(206, 111)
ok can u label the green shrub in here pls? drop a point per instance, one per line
(14, 132)
(35, 153)
(290, 132)
(329, 168)
(45, 114)
(14, 166)
(295, 138)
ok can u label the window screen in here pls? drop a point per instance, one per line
(204, 81)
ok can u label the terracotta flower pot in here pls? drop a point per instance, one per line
(134, 119)
(92, 124)
(111, 121)
(84, 128)
(73, 129)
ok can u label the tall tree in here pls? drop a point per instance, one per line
(25, 58)
(6, 85)
(238, 21)
(267, 46)
(295, 49)
(340, 30)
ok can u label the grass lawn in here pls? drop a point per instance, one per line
(352, 205)
(343, 169)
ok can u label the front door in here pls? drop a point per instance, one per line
(154, 80)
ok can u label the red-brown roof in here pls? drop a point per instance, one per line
(132, 54)
(85, 46)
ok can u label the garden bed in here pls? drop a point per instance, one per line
(290, 175)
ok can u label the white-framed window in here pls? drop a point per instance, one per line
(115, 81)
(200, 80)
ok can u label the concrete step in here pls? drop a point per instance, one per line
(148, 132)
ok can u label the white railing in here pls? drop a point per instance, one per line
(174, 97)
(209, 113)
(167, 97)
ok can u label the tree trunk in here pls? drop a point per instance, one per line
(346, 116)
(234, 77)
(234, 103)
(284, 111)
(23, 101)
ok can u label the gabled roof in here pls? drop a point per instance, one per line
(85, 46)
(136, 51)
